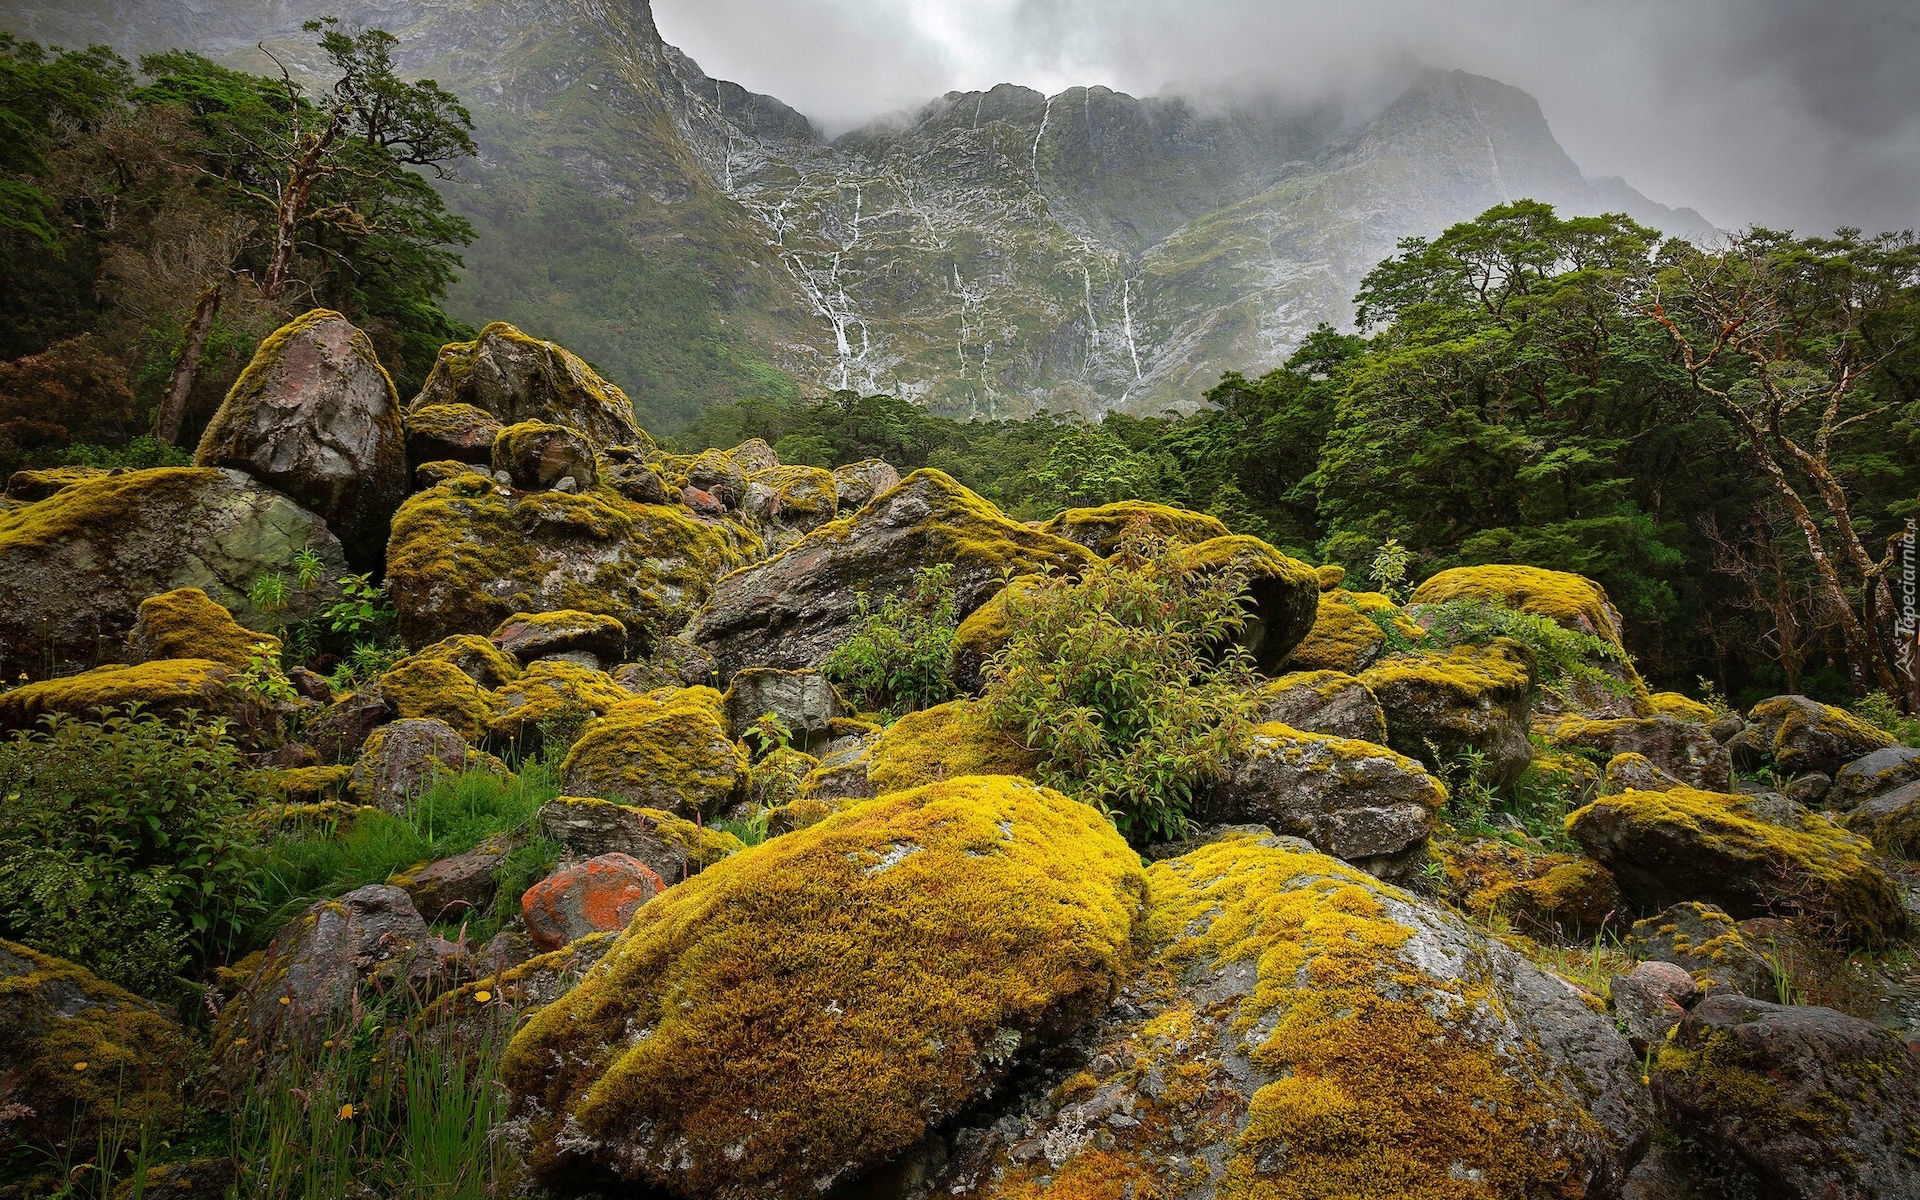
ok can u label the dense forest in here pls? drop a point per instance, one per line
(1727, 438)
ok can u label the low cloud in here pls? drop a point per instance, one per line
(1793, 113)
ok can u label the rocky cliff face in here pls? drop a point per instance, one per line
(992, 254)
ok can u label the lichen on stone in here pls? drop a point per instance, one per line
(944, 742)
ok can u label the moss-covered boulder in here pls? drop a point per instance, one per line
(75, 566)
(315, 416)
(1798, 1103)
(1683, 844)
(674, 847)
(401, 761)
(858, 484)
(598, 641)
(36, 484)
(1632, 772)
(1345, 637)
(1576, 602)
(1706, 943)
(944, 742)
(807, 1010)
(450, 433)
(985, 633)
(1100, 529)
(1474, 698)
(1540, 894)
(552, 696)
(517, 378)
(1303, 1030)
(431, 688)
(1680, 708)
(1354, 800)
(1799, 735)
(184, 623)
(169, 687)
(1873, 775)
(1281, 596)
(78, 1055)
(538, 455)
(1682, 749)
(669, 750)
(475, 657)
(465, 558)
(789, 502)
(792, 610)
(458, 887)
(1325, 702)
(1891, 821)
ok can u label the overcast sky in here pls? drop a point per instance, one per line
(1796, 113)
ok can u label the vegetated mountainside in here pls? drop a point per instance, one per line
(994, 253)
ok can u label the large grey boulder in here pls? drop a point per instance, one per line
(1680, 749)
(315, 416)
(805, 701)
(1875, 774)
(1301, 1029)
(401, 760)
(1354, 800)
(1328, 702)
(791, 611)
(1793, 1103)
(75, 566)
(1799, 735)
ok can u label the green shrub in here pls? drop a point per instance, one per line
(1880, 711)
(125, 845)
(896, 661)
(1113, 678)
(140, 454)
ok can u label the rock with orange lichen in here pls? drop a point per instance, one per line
(598, 894)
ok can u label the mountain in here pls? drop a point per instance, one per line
(992, 254)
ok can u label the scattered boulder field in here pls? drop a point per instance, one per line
(936, 976)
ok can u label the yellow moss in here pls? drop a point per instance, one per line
(553, 690)
(1673, 704)
(185, 624)
(138, 1061)
(1830, 722)
(168, 686)
(1343, 639)
(1099, 529)
(334, 814)
(464, 558)
(668, 749)
(1535, 891)
(1382, 1086)
(1469, 674)
(476, 657)
(436, 689)
(579, 386)
(796, 815)
(940, 743)
(1814, 865)
(702, 844)
(819, 1001)
(94, 508)
(801, 495)
(447, 422)
(985, 632)
(305, 785)
(568, 621)
(33, 485)
(1573, 600)
(1331, 576)
(840, 727)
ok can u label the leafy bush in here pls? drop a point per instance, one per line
(125, 845)
(1116, 680)
(140, 454)
(896, 661)
(1880, 711)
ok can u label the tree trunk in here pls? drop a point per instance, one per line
(173, 407)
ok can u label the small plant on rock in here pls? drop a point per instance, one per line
(1117, 679)
(896, 661)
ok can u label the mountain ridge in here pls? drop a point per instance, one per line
(990, 254)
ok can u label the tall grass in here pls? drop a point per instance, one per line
(387, 1106)
(452, 817)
